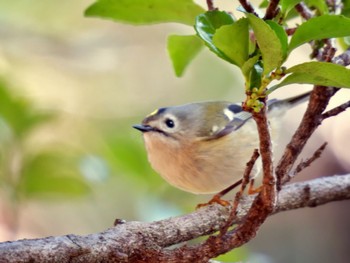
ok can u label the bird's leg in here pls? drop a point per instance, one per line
(217, 198)
(244, 182)
(253, 190)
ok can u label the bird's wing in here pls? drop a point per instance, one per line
(236, 118)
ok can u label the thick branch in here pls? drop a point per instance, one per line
(139, 242)
(319, 99)
(312, 118)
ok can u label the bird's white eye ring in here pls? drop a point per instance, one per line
(169, 123)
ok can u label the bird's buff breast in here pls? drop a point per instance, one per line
(196, 168)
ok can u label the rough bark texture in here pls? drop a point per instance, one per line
(128, 242)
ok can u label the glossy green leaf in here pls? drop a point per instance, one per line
(256, 75)
(287, 5)
(281, 34)
(346, 8)
(248, 65)
(317, 73)
(182, 50)
(264, 4)
(206, 26)
(233, 41)
(326, 26)
(269, 43)
(140, 12)
(52, 173)
(320, 5)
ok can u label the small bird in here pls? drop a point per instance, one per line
(203, 147)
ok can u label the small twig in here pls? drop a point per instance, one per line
(317, 154)
(328, 50)
(210, 4)
(335, 6)
(248, 6)
(318, 102)
(335, 111)
(343, 59)
(304, 11)
(245, 181)
(272, 10)
(290, 31)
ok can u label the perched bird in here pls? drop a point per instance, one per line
(203, 147)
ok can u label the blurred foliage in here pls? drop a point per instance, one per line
(26, 172)
(228, 38)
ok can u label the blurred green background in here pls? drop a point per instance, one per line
(71, 88)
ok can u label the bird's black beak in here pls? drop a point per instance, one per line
(143, 128)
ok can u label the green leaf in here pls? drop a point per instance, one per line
(206, 26)
(141, 12)
(317, 73)
(248, 65)
(233, 41)
(287, 5)
(282, 36)
(182, 49)
(320, 5)
(264, 4)
(256, 75)
(346, 8)
(326, 26)
(269, 43)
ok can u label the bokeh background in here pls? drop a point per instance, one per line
(71, 88)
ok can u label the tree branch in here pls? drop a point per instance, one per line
(304, 11)
(248, 6)
(301, 166)
(343, 59)
(128, 242)
(319, 99)
(272, 9)
(210, 4)
(335, 111)
(312, 118)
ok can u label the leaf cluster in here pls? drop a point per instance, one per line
(259, 47)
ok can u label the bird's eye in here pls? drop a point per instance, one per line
(169, 123)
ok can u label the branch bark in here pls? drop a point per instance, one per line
(128, 242)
